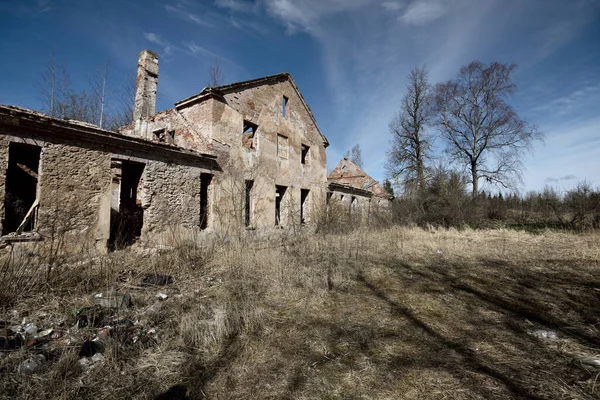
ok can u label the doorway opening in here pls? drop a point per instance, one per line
(127, 214)
(20, 199)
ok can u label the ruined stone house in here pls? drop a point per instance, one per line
(351, 189)
(234, 158)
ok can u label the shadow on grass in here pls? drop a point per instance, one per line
(470, 359)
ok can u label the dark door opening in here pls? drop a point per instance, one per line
(248, 204)
(205, 180)
(279, 194)
(303, 205)
(127, 219)
(21, 188)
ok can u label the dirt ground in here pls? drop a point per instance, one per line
(401, 313)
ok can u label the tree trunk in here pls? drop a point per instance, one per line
(475, 176)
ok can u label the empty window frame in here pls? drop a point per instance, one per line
(249, 135)
(282, 146)
(205, 181)
(20, 198)
(279, 197)
(304, 204)
(304, 154)
(164, 136)
(284, 102)
(248, 204)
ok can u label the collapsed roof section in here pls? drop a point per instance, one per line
(350, 176)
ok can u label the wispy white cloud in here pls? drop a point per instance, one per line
(167, 47)
(566, 103)
(304, 15)
(392, 5)
(188, 16)
(239, 6)
(424, 11)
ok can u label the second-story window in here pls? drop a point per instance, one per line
(249, 135)
(282, 146)
(284, 102)
(304, 155)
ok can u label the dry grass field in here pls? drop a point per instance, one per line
(399, 313)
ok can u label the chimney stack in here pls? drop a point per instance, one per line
(147, 82)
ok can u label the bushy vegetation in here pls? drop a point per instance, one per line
(445, 202)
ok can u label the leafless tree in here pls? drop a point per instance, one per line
(355, 155)
(54, 86)
(482, 131)
(216, 76)
(411, 144)
(102, 102)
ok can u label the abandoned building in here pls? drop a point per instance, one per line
(350, 188)
(233, 158)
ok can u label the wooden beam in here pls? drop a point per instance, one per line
(28, 216)
(28, 170)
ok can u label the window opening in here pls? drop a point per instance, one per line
(164, 136)
(249, 135)
(284, 102)
(304, 156)
(20, 198)
(205, 181)
(279, 195)
(127, 214)
(248, 203)
(282, 146)
(304, 205)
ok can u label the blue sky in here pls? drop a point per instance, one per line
(349, 58)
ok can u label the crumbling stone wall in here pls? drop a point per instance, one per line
(76, 180)
(73, 183)
(170, 197)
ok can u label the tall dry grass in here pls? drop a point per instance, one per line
(388, 313)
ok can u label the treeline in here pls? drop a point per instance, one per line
(447, 203)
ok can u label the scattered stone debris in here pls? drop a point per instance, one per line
(91, 362)
(113, 300)
(32, 364)
(157, 280)
(162, 296)
(544, 334)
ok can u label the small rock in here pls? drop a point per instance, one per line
(162, 296)
(30, 329)
(44, 333)
(98, 358)
(591, 361)
(113, 300)
(544, 334)
(157, 280)
(32, 364)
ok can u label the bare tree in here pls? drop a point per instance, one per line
(54, 86)
(103, 102)
(411, 145)
(483, 133)
(216, 76)
(355, 155)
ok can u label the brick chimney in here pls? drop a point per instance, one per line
(147, 82)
